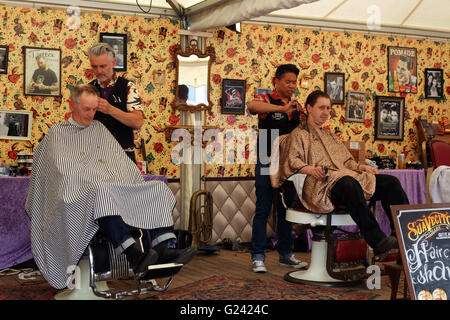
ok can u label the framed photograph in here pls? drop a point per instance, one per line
(259, 91)
(42, 72)
(335, 86)
(15, 124)
(402, 69)
(119, 44)
(4, 59)
(389, 118)
(233, 96)
(356, 106)
(434, 83)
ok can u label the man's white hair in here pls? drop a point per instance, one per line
(101, 48)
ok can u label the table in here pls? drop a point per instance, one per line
(15, 244)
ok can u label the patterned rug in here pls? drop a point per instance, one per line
(38, 291)
(223, 288)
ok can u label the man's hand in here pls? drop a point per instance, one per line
(315, 171)
(291, 106)
(368, 169)
(104, 106)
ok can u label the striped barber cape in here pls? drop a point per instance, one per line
(81, 174)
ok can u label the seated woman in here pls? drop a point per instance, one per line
(309, 149)
(83, 181)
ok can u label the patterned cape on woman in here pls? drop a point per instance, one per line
(81, 174)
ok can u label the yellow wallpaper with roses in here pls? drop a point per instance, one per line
(252, 55)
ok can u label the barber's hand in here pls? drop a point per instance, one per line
(104, 106)
(315, 171)
(291, 106)
(368, 169)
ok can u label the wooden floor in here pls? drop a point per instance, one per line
(237, 264)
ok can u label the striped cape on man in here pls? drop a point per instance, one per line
(81, 174)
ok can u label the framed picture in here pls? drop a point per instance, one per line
(335, 86)
(233, 96)
(259, 91)
(119, 44)
(389, 118)
(4, 59)
(15, 124)
(434, 83)
(42, 72)
(402, 67)
(356, 106)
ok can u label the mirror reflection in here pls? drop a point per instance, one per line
(193, 80)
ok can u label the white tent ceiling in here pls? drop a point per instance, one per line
(423, 18)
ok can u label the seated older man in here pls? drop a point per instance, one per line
(82, 181)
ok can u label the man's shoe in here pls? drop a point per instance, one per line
(291, 262)
(259, 267)
(147, 259)
(183, 256)
(385, 245)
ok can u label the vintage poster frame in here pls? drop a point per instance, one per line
(408, 57)
(52, 56)
(119, 39)
(328, 79)
(437, 74)
(233, 96)
(355, 99)
(387, 127)
(4, 50)
(20, 130)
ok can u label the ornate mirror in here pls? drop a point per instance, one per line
(193, 75)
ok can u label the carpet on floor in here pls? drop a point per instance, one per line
(224, 288)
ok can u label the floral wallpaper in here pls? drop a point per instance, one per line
(252, 55)
(255, 53)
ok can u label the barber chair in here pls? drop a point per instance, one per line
(338, 257)
(440, 153)
(101, 264)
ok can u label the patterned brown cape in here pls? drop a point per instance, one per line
(315, 146)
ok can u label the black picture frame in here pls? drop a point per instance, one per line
(356, 107)
(4, 50)
(402, 69)
(15, 124)
(389, 118)
(434, 83)
(233, 96)
(335, 86)
(118, 41)
(42, 71)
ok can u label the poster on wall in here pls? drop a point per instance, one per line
(233, 96)
(15, 124)
(434, 83)
(42, 71)
(423, 233)
(389, 118)
(119, 44)
(402, 69)
(4, 59)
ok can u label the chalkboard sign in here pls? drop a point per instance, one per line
(423, 233)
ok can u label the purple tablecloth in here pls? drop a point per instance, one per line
(15, 245)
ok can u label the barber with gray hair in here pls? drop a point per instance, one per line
(119, 105)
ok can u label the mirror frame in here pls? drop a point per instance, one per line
(193, 50)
